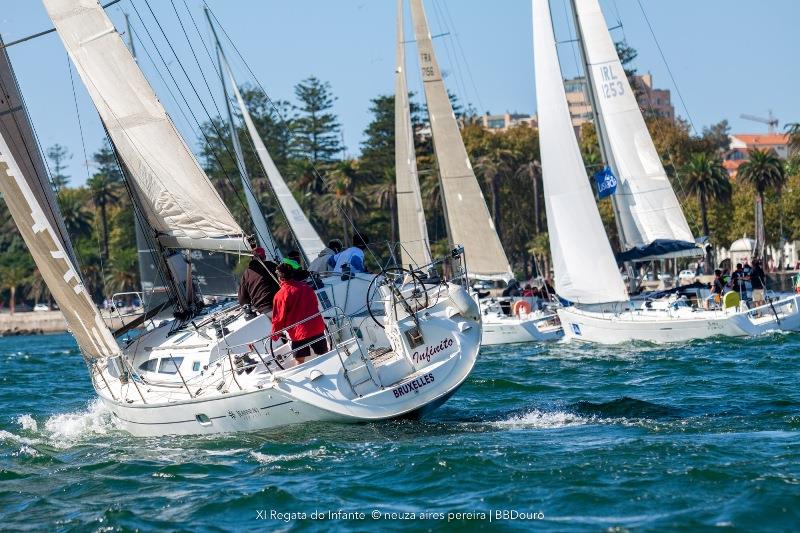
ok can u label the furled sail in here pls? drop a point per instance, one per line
(410, 213)
(25, 186)
(304, 232)
(585, 269)
(177, 198)
(646, 205)
(468, 219)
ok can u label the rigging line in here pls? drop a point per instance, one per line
(669, 70)
(460, 87)
(573, 38)
(197, 122)
(275, 108)
(463, 55)
(265, 238)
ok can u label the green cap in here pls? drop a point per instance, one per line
(292, 263)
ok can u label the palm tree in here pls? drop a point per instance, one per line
(76, 219)
(793, 130)
(385, 195)
(341, 200)
(493, 166)
(533, 171)
(707, 178)
(104, 193)
(122, 273)
(764, 170)
(12, 277)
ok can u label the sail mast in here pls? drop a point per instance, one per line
(263, 234)
(410, 213)
(468, 219)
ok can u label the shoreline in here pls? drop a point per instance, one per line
(32, 323)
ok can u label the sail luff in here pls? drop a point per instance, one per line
(263, 233)
(467, 215)
(307, 237)
(177, 198)
(647, 206)
(585, 270)
(410, 213)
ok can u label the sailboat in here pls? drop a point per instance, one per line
(216, 369)
(650, 221)
(468, 221)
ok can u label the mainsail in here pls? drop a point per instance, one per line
(649, 215)
(468, 219)
(304, 232)
(410, 213)
(177, 198)
(585, 269)
(26, 189)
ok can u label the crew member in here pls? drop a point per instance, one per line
(320, 264)
(259, 283)
(296, 309)
(758, 281)
(353, 256)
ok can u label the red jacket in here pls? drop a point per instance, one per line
(294, 302)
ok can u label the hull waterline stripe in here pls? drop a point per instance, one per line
(191, 420)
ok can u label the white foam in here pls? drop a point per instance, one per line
(27, 422)
(266, 459)
(7, 435)
(537, 419)
(26, 450)
(66, 429)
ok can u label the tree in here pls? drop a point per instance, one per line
(104, 193)
(76, 219)
(12, 277)
(341, 201)
(793, 130)
(316, 131)
(532, 170)
(764, 171)
(718, 135)
(493, 167)
(707, 178)
(59, 155)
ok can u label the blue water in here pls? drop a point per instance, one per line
(576, 438)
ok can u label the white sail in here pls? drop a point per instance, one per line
(178, 200)
(263, 234)
(468, 219)
(305, 233)
(410, 213)
(585, 269)
(25, 186)
(646, 204)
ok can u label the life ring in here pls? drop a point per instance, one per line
(519, 307)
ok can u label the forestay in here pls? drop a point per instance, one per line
(646, 204)
(585, 269)
(304, 232)
(25, 186)
(177, 198)
(410, 213)
(468, 219)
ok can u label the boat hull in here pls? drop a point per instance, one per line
(661, 327)
(510, 330)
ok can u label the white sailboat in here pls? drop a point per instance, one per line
(468, 220)
(215, 370)
(649, 217)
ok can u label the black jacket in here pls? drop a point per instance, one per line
(258, 286)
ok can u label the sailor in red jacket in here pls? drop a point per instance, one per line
(296, 301)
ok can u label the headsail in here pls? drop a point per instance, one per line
(178, 200)
(305, 233)
(410, 213)
(26, 188)
(468, 219)
(646, 204)
(585, 269)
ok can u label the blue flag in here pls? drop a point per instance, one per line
(606, 182)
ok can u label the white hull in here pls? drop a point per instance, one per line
(529, 328)
(665, 326)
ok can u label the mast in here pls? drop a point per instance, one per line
(263, 233)
(415, 245)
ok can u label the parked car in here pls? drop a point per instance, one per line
(481, 285)
(41, 307)
(687, 275)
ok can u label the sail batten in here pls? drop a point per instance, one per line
(468, 220)
(177, 198)
(645, 202)
(585, 270)
(410, 213)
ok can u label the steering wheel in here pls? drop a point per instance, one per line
(395, 270)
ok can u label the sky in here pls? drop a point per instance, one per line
(727, 57)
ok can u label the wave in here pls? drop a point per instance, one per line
(626, 407)
(66, 429)
(266, 459)
(537, 419)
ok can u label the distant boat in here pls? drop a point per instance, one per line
(216, 369)
(469, 223)
(649, 218)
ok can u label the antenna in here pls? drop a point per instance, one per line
(771, 121)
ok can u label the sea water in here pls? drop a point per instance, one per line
(553, 436)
